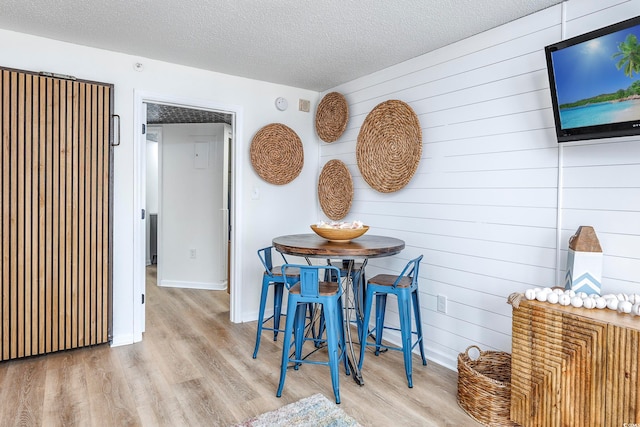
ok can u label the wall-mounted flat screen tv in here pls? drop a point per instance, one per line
(595, 83)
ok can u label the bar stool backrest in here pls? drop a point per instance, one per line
(265, 255)
(411, 270)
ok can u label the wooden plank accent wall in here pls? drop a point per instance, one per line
(55, 209)
(573, 367)
(495, 198)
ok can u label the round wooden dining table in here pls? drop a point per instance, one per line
(313, 246)
(363, 248)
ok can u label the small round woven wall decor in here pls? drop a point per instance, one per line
(332, 116)
(389, 146)
(335, 190)
(277, 154)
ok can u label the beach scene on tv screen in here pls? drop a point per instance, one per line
(597, 81)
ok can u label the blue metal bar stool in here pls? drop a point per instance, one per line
(276, 277)
(310, 290)
(405, 288)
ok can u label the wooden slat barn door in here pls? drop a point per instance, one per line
(55, 205)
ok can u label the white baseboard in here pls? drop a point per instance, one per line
(124, 339)
(442, 359)
(194, 285)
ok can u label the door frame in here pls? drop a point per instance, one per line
(158, 131)
(139, 262)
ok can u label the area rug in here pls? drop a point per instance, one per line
(312, 411)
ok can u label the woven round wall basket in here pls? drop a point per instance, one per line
(389, 146)
(332, 116)
(335, 190)
(277, 154)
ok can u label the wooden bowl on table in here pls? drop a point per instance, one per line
(339, 234)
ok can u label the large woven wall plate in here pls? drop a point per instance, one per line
(277, 154)
(389, 146)
(335, 190)
(332, 116)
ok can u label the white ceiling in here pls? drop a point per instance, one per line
(308, 44)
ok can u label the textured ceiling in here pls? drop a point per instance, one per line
(168, 114)
(314, 45)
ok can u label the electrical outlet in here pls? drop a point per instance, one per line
(192, 253)
(442, 303)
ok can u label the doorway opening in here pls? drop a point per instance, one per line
(206, 135)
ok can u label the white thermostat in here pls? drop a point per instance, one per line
(281, 104)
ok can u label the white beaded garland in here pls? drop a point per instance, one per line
(624, 307)
(577, 302)
(620, 302)
(588, 302)
(601, 302)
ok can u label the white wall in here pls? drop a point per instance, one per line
(191, 204)
(600, 179)
(257, 220)
(485, 206)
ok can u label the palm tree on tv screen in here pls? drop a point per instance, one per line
(629, 54)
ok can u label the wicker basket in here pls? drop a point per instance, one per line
(484, 387)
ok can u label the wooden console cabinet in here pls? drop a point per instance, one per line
(574, 366)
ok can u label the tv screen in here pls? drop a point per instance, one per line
(595, 83)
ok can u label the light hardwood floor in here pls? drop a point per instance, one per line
(194, 368)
